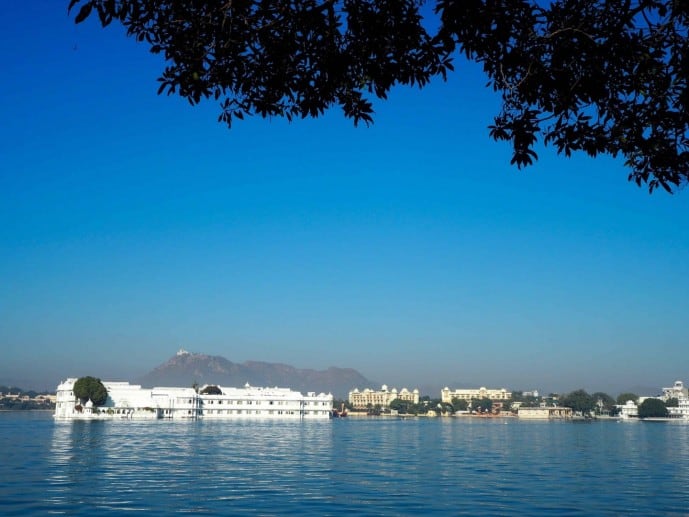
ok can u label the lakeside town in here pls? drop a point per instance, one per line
(671, 403)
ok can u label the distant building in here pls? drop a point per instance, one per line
(681, 411)
(383, 397)
(131, 401)
(677, 391)
(628, 410)
(446, 394)
(552, 412)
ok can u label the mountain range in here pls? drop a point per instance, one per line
(186, 368)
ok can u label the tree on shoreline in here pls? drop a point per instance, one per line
(598, 76)
(652, 408)
(622, 398)
(90, 388)
(484, 405)
(604, 403)
(459, 404)
(580, 401)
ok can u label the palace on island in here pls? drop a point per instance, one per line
(130, 401)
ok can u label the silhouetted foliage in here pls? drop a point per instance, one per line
(404, 407)
(599, 76)
(604, 403)
(622, 398)
(586, 75)
(90, 388)
(652, 408)
(211, 390)
(484, 405)
(672, 402)
(580, 401)
(460, 404)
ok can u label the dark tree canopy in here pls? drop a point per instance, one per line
(460, 404)
(599, 76)
(580, 401)
(604, 402)
(652, 408)
(622, 398)
(211, 390)
(482, 405)
(90, 388)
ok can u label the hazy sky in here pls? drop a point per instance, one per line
(132, 225)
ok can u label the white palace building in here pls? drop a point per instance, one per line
(130, 401)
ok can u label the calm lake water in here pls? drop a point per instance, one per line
(355, 466)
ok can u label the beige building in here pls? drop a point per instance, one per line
(383, 397)
(446, 394)
(544, 412)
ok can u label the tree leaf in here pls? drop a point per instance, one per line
(83, 13)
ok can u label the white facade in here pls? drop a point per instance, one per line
(544, 412)
(250, 402)
(682, 411)
(677, 391)
(628, 410)
(130, 401)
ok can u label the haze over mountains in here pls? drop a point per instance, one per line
(185, 368)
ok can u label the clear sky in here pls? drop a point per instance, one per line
(132, 225)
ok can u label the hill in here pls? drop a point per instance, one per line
(185, 368)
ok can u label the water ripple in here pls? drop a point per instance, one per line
(357, 466)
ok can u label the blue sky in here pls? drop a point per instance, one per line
(132, 225)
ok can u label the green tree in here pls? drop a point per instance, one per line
(211, 390)
(652, 408)
(445, 408)
(374, 410)
(460, 404)
(401, 406)
(672, 402)
(530, 401)
(598, 76)
(604, 403)
(90, 388)
(622, 398)
(482, 405)
(580, 401)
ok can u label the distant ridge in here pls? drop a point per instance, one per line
(185, 368)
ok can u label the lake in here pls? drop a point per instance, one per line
(364, 466)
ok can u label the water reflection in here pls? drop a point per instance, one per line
(188, 466)
(357, 466)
